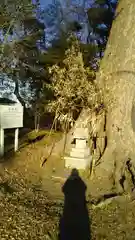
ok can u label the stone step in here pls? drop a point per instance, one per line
(77, 163)
(78, 154)
(81, 143)
(82, 150)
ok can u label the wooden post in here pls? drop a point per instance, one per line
(1, 142)
(16, 139)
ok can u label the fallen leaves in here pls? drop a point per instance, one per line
(25, 213)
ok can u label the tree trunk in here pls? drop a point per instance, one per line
(37, 121)
(117, 81)
(17, 92)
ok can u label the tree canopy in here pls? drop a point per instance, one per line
(35, 39)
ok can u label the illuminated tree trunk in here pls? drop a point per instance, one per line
(117, 81)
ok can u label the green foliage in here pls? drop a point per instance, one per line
(73, 85)
(75, 26)
(20, 31)
(34, 134)
(53, 235)
(100, 16)
(19, 53)
(89, 52)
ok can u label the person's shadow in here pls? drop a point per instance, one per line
(75, 222)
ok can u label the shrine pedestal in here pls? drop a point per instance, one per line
(80, 154)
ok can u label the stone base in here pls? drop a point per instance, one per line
(80, 153)
(78, 163)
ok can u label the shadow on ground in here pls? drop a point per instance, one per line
(74, 222)
(6, 188)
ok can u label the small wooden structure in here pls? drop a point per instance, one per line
(11, 116)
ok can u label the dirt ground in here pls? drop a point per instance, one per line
(31, 200)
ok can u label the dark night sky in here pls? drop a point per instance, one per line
(45, 2)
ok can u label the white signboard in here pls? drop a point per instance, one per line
(11, 116)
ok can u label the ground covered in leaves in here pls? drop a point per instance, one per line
(27, 212)
(31, 202)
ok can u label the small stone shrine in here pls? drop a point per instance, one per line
(80, 154)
